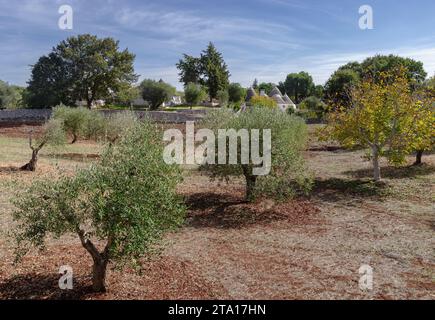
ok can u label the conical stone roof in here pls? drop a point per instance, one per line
(278, 99)
(275, 91)
(250, 93)
(287, 99)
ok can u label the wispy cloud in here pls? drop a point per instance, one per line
(266, 39)
(182, 27)
(321, 66)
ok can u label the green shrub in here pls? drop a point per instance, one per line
(95, 126)
(236, 93)
(88, 124)
(11, 97)
(156, 92)
(119, 208)
(236, 106)
(74, 120)
(288, 173)
(223, 98)
(194, 93)
(116, 125)
(314, 107)
(265, 102)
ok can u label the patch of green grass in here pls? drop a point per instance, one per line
(16, 151)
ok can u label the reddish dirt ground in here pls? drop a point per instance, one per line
(20, 131)
(306, 248)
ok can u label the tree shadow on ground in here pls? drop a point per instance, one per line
(73, 156)
(9, 169)
(391, 172)
(42, 287)
(325, 148)
(336, 190)
(227, 211)
(217, 210)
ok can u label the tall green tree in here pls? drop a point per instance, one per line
(347, 76)
(298, 86)
(126, 96)
(255, 84)
(319, 91)
(354, 66)
(209, 70)
(190, 70)
(11, 97)
(266, 86)
(81, 68)
(338, 86)
(236, 92)
(156, 92)
(215, 70)
(50, 83)
(374, 66)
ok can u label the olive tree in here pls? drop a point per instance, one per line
(314, 106)
(223, 98)
(118, 208)
(288, 172)
(53, 134)
(156, 92)
(75, 120)
(116, 125)
(194, 93)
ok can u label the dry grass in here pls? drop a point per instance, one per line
(307, 248)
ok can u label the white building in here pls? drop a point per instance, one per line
(174, 101)
(283, 101)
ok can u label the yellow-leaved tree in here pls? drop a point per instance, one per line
(384, 116)
(422, 135)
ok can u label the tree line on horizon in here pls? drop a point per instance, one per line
(87, 68)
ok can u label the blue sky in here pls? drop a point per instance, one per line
(263, 39)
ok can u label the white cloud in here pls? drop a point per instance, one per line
(182, 28)
(323, 65)
(253, 48)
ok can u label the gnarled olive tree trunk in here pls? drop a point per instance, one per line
(75, 138)
(99, 270)
(32, 164)
(100, 259)
(251, 180)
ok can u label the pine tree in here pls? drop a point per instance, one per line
(255, 85)
(215, 70)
